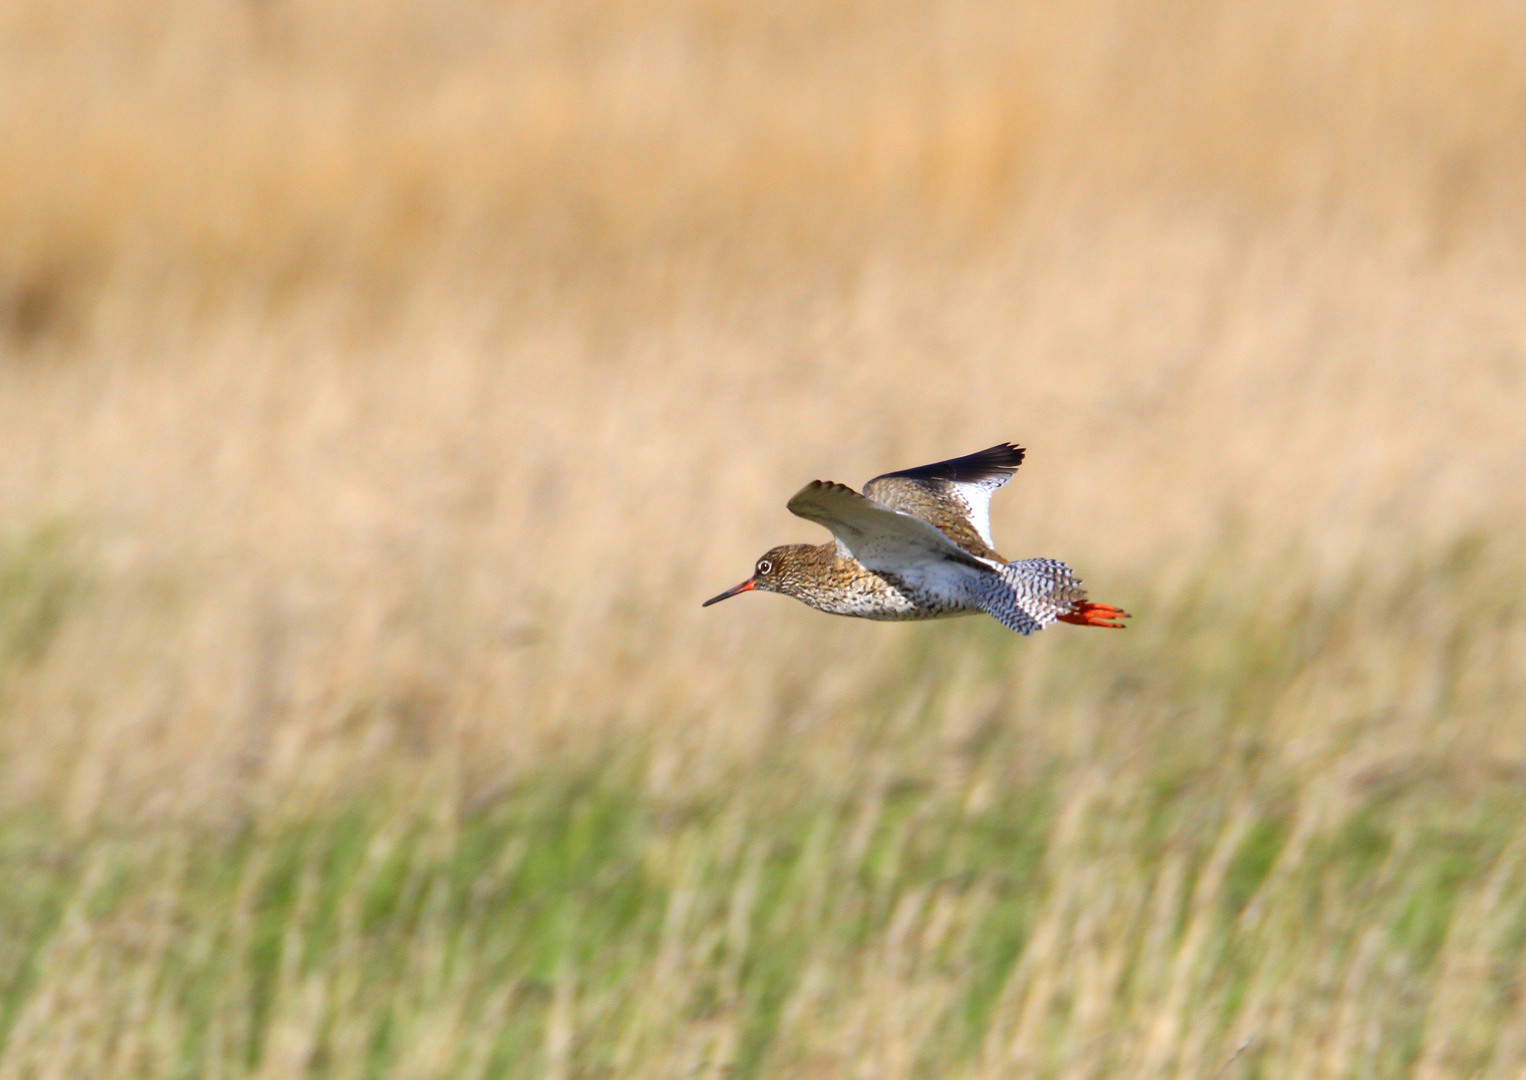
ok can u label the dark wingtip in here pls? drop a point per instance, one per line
(991, 463)
(1004, 455)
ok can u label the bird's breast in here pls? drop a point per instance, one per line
(929, 592)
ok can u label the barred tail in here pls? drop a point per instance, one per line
(1030, 594)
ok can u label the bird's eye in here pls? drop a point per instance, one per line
(765, 567)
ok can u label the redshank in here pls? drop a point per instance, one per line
(917, 545)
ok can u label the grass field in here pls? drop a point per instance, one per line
(384, 385)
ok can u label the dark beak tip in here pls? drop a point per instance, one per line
(746, 586)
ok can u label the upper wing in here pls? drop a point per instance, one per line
(877, 536)
(954, 495)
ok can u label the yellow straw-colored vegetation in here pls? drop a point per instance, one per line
(383, 385)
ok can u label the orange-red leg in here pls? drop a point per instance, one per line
(1096, 615)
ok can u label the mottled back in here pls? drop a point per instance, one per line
(953, 495)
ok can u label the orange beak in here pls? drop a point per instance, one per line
(746, 586)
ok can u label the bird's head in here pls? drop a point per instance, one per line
(782, 570)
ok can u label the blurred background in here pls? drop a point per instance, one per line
(383, 385)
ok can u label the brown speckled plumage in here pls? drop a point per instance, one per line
(816, 575)
(917, 545)
(935, 493)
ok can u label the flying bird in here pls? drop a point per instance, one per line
(917, 545)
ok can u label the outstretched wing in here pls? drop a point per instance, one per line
(954, 495)
(877, 536)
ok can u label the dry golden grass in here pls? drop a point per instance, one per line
(382, 386)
